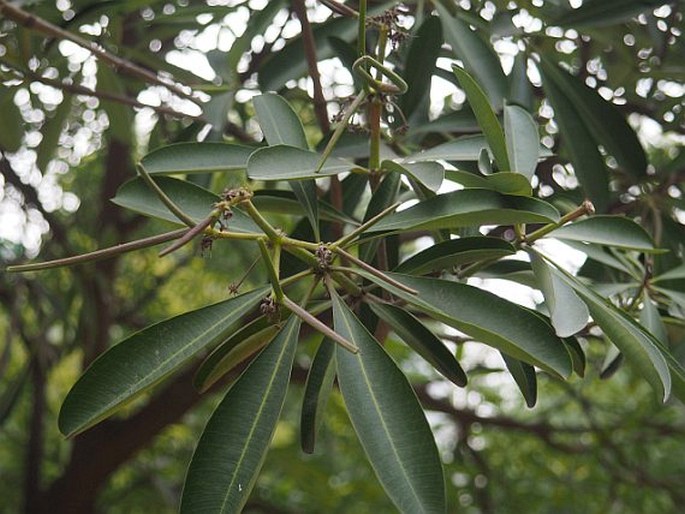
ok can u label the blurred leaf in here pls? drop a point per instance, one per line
(677, 273)
(520, 89)
(604, 121)
(423, 52)
(429, 174)
(523, 142)
(469, 207)
(388, 420)
(455, 252)
(120, 116)
(588, 163)
(12, 125)
(316, 392)
(51, 131)
(233, 446)
(478, 57)
(197, 158)
(147, 357)
(421, 340)
(487, 318)
(193, 200)
(602, 13)
(614, 231)
(525, 378)
(568, 313)
(492, 130)
(289, 163)
(577, 355)
(233, 351)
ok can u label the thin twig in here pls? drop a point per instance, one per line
(340, 8)
(342, 242)
(189, 236)
(32, 22)
(374, 271)
(168, 202)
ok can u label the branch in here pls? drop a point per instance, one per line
(117, 63)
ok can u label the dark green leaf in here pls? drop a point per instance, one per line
(478, 57)
(11, 126)
(465, 148)
(282, 201)
(238, 348)
(144, 359)
(466, 208)
(651, 319)
(51, 132)
(196, 158)
(615, 231)
(485, 115)
(316, 392)
(525, 378)
(429, 174)
(233, 446)
(455, 252)
(421, 340)
(193, 200)
(388, 420)
(602, 13)
(486, 317)
(420, 65)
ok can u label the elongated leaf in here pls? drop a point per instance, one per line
(635, 343)
(505, 182)
(193, 200)
(51, 132)
(420, 64)
(568, 313)
(577, 355)
(520, 89)
(429, 174)
(233, 446)
(196, 158)
(600, 254)
(384, 196)
(588, 163)
(422, 341)
(455, 252)
(677, 273)
(282, 201)
(289, 163)
(523, 142)
(607, 125)
(465, 148)
(485, 115)
(316, 392)
(144, 359)
(466, 208)
(11, 127)
(478, 56)
(388, 420)
(235, 350)
(120, 116)
(602, 13)
(615, 231)
(651, 319)
(525, 378)
(486, 317)
(281, 126)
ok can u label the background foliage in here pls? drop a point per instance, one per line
(73, 127)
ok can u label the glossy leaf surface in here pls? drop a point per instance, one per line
(197, 158)
(522, 140)
(290, 163)
(609, 231)
(316, 392)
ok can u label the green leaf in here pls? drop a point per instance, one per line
(421, 340)
(142, 360)
(568, 313)
(469, 207)
(588, 163)
(120, 116)
(282, 201)
(233, 446)
(289, 163)
(423, 52)
(455, 252)
(486, 317)
(51, 132)
(602, 13)
(614, 231)
(525, 378)
(193, 200)
(604, 121)
(523, 142)
(281, 126)
(388, 420)
(577, 355)
(316, 392)
(630, 338)
(478, 56)
(520, 89)
(196, 158)
(238, 348)
(485, 115)
(465, 148)
(677, 273)
(384, 196)
(651, 319)
(505, 182)
(12, 125)
(429, 174)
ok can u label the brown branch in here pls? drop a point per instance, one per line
(117, 63)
